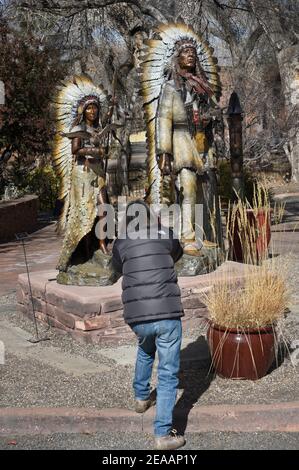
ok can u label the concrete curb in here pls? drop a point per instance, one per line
(286, 195)
(281, 417)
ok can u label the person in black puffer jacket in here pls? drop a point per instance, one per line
(153, 309)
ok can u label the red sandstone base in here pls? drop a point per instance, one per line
(95, 314)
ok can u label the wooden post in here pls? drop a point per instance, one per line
(235, 118)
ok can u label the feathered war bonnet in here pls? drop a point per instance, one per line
(81, 106)
(184, 43)
(160, 55)
(173, 66)
(73, 98)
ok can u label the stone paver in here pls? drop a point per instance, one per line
(17, 342)
(42, 251)
(126, 355)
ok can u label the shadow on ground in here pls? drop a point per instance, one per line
(195, 378)
(282, 353)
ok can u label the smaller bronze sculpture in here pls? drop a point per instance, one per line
(80, 158)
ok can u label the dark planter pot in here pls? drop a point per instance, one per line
(262, 226)
(241, 354)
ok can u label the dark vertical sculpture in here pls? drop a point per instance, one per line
(235, 118)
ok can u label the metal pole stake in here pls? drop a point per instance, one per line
(21, 237)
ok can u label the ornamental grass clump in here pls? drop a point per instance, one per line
(248, 227)
(258, 300)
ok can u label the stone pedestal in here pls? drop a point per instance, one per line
(95, 314)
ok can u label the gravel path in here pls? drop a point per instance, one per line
(134, 441)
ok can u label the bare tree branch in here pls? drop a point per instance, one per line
(222, 6)
(250, 45)
(271, 19)
(63, 8)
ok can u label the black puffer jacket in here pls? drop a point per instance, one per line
(150, 289)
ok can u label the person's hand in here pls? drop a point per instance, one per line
(164, 164)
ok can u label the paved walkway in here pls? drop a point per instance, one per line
(42, 250)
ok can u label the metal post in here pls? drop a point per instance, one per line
(21, 237)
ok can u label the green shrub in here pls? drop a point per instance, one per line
(44, 183)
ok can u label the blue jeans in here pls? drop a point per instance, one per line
(165, 336)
